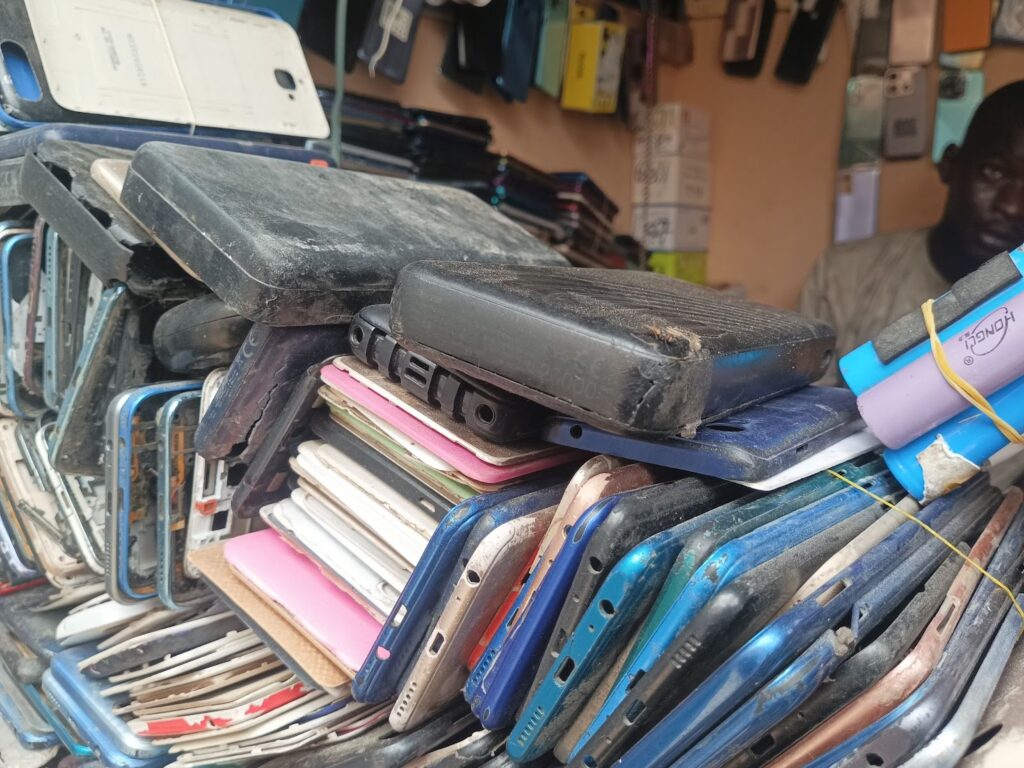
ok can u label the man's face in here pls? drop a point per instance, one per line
(986, 195)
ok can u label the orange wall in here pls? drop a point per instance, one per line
(774, 150)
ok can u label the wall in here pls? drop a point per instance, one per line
(774, 149)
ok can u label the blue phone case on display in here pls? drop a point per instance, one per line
(735, 558)
(400, 637)
(122, 491)
(778, 644)
(786, 692)
(493, 519)
(16, 247)
(490, 654)
(79, 699)
(752, 445)
(515, 664)
(603, 630)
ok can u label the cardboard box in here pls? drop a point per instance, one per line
(671, 181)
(673, 129)
(672, 227)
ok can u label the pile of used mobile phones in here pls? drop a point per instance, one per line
(301, 466)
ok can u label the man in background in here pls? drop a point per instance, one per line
(863, 286)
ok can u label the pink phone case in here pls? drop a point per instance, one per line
(337, 622)
(460, 458)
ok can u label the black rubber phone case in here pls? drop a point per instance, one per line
(257, 386)
(199, 335)
(807, 34)
(56, 180)
(335, 435)
(736, 17)
(290, 244)
(626, 351)
(489, 412)
(266, 478)
(393, 63)
(636, 517)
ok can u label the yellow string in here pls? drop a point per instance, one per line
(961, 385)
(940, 537)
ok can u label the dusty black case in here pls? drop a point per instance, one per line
(56, 180)
(626, 351)
(199, 335)
(265, 479)
(287, 244)
(257, 386)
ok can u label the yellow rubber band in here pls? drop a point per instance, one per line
(940, 537)
(961, 385)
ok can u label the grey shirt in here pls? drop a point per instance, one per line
(863, 286)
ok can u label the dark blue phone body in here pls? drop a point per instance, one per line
(898, 733)
(620, 602)
(750, 446)
(506, 682)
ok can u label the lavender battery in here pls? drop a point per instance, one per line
(916, 399)
(943, 459)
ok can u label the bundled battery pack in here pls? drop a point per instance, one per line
(632, 352)
(937, 439)
(289, 244)
(980, 321)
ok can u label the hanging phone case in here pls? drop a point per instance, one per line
(960, 93)
(745, 36)
(806, 36)
(906, 113)
(966, 26)
(912, 39)
(871, 47)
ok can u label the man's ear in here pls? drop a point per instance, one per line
(947, 165)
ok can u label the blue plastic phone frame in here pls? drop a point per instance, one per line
(619, 603)
(79, 699)
(136, 398)
(164, 544)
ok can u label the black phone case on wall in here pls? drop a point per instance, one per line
(807, 35)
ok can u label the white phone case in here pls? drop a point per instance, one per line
(362, 582)
(210, 520)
